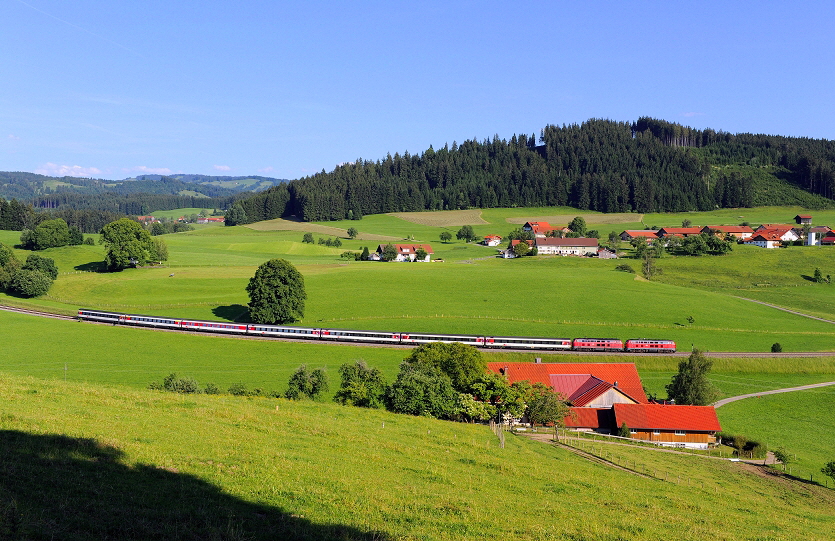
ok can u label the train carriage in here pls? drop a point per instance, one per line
(348, 335)
(518, 342)
(597, 344)
(308, 333)
(645, 345)
(422, 338)
(212, 326)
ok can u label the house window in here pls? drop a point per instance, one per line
(633, 431)
(679, 432)
(656, 432)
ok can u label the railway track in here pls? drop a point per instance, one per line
(718, 354)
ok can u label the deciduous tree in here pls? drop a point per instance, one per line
(466, 233)
(276, 293)
(305, 383)
(691, 385)
(578, 225)
(361, 386)
(125, 242)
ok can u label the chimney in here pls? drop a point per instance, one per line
(616, 383)
(538, 360)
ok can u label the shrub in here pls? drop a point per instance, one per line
(90, 241)
(623, 267)
(306, 383)
(29, 283)
(175, 384)
(238, 389)
(211, 388)
(44, 264)
(776, 347)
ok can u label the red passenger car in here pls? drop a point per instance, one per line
(597, 344)
(645, 345)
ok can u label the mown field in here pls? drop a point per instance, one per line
(133, 464)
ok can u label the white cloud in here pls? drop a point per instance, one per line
(152, 170)
(13, 137)
(266, 170)
(55, 170)
(222, 168)
(692, 114)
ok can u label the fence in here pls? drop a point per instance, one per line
(498, 430)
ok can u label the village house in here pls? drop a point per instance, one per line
(147, 220)
(492, 240)
(828, 239)
(509, 253)
(766, 239)
(406, 252)
(211, 220)
(539, 229)
(604, 396)
(649, 234)
(803, 219)
(741, 232)
(566, 246)
(679, 232)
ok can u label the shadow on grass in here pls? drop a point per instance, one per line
(58, 487)
(92, 266)
(237, 313)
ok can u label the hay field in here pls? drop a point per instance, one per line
(443, 218)
(596, 218)
(279, 224)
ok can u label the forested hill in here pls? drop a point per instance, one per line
(646, 166)
(32, 186)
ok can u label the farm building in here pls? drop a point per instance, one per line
(566, 246)
(604, 396)
(211, 220)
(406, 252)
(679, 232)
(739, 231)
(681, 426)
(629, 234)
(492, 240)
(539, 229)
(803, 219)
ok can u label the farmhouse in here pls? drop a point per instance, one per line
(739, 231)
(147, 220)
(211, 220)
(492, 240)
(629, 234)
(539, 229)
(604, 396)
(406, 252)
(765, 239)
(566, 246)
(679, 232)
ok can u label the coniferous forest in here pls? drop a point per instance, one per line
(646, 166)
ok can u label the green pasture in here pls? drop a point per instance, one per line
(471, 292)
(223, 467)
(800, 422)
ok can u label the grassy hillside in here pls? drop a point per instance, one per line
(139, 464)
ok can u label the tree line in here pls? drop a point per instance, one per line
(646, 166)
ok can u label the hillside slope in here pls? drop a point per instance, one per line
(92, 462)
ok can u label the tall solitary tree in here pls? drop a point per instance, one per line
(276, 293)
(690, 385)
(125, 242)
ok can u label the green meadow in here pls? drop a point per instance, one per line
(472, 291)
(135, 464)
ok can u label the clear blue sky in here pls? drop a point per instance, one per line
(112, 89)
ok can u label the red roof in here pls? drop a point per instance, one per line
(733, 229)
(783, 227)
(492, 237)
(664, 231)
(590, 418)
(641, 233)
(624, 374)
(539, 227)
(514, 242)
(405, 249)
(665, 417)
(804, 216)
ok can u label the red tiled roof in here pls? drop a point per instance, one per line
(784, 227)
(492, 237)
(407, 248)
(641, 233)
(804, 216)
(679, 231)
(590, 418)
(665, 417)
(539, 227)
(624, 374)
(566, 242)
(734, 229)
(514, 242)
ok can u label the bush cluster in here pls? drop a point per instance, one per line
(743, 447)
(30, 279)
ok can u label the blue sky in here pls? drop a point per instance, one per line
(285, 89)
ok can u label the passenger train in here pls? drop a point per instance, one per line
(635, 345)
